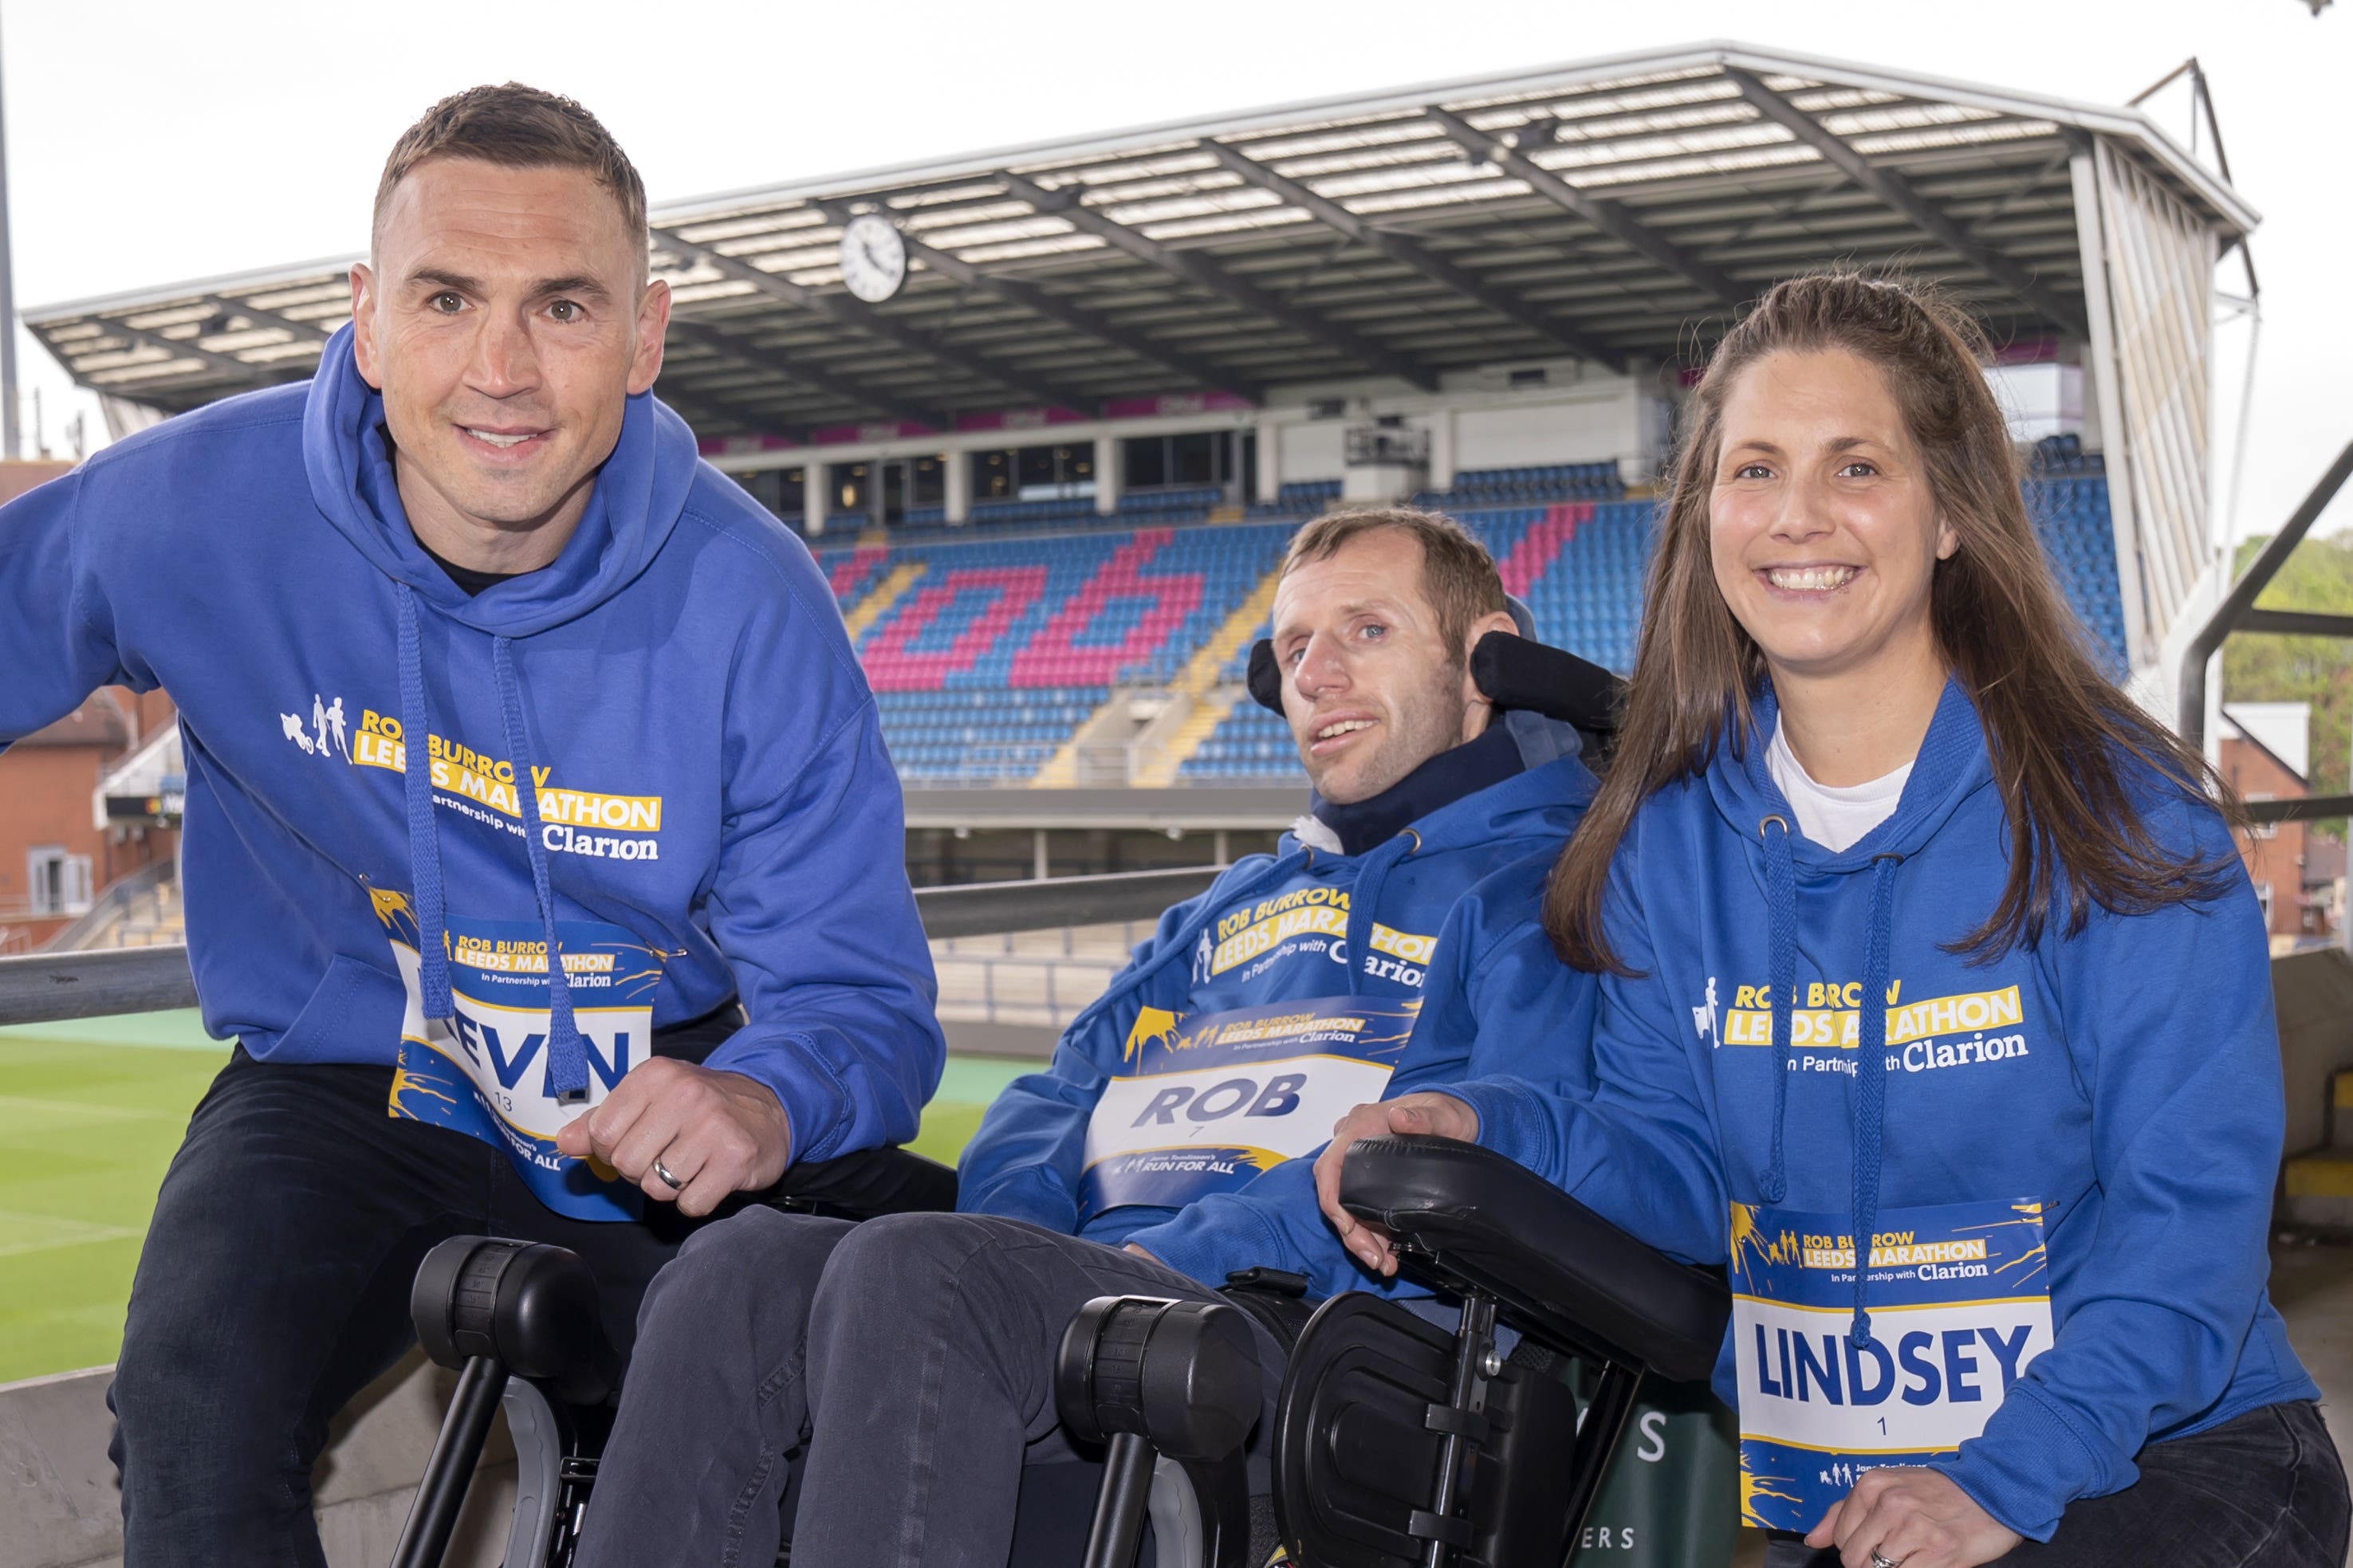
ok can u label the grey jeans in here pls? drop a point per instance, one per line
(912, 1355)
(2262, 1490)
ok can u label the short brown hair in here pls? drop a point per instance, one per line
(1458, 576)
(517, 127)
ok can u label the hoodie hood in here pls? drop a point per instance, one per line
(1952, 764)
(635, 503)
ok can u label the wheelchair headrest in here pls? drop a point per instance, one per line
(1515, 672)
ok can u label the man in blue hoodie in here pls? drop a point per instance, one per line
(524, 752)
(912, 1355)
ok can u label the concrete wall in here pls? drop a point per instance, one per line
(2313, 994)
(63, 1508)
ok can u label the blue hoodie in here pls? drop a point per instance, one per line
(714, 815)
(2126, 1079)
(1498, 1000)
(1284, 951)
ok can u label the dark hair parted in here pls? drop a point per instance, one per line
(2077, 762)
(1458, 577)
(518, 127)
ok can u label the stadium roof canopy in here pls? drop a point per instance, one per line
(1616, 211)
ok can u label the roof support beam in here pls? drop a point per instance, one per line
(863, 318)
(306, 331)
(1202, 273)
(253, 375)
(1413, 255)
(1610, 217)
(1086, 322)
(1895, 192)
(700, 408)
(707, 337)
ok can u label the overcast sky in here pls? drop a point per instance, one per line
(150, 143)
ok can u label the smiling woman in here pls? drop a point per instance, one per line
(1867, 755)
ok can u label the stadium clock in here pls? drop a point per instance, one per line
(874, 257)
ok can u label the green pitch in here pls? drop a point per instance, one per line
(89, 1114)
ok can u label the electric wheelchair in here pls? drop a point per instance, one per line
(1397, 1443)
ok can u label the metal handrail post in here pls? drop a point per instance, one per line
(2190, 718)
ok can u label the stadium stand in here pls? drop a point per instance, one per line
(989, 653)
(1579, 569)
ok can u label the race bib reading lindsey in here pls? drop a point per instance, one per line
(1203, 1104)
(1959, 1305)
(487, 1072)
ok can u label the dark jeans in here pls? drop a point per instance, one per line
(2262, 1491)
(274, 1285)
(911, 1354)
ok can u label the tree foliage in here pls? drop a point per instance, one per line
(2319, 670)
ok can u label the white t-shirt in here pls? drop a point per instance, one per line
(1834, 818)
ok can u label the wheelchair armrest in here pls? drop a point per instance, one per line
(868, 1183)
(1467, 1217)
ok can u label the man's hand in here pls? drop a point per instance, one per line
(1917, 1517)
(717, 1132)
(1426, 1112)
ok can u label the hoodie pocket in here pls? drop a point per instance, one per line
(354, 1015)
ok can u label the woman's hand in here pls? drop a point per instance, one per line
(1913, 1516)
(1426, 1112)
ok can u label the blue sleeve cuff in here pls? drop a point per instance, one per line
(2031, 1462)
(1512, 1121)
(1024, 1194)
(1210, 1250)
(817, 1103)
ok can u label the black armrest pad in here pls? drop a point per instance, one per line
(1467, 1215)
(870, 1183)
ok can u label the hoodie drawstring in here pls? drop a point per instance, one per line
(1781, 958)
(567, 1057)
(424, 842)
(1870, 1069)
(1871, 1053)
(1366, 897)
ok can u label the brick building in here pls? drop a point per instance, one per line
(54, 856)
(2265, 754)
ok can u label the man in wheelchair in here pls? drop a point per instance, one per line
(901, 1372)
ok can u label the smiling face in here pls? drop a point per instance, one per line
(1824, 530)
(1371, 686)
(506, 319)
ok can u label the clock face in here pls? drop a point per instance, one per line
(874, 257)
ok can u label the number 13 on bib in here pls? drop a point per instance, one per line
(1960, 1299)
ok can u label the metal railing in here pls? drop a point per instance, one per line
(2237, 613)
(45, 987)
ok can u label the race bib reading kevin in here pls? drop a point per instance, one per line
(1204, 1104)
(488, 1073)
(1960, 1303)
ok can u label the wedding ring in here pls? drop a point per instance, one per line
(676, 1185)
(1881, 1560)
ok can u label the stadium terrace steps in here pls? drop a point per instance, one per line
(886, 594)
(1539, 548)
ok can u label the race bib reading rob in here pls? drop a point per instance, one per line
(1204, 1104)
(1959, 1305)
(487, 1072)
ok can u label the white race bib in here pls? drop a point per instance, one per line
(487, 1072)
(1207, 1102)
(1959, 1305)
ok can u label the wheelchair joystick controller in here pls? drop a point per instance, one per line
(1161, 1382)
(498, 1312)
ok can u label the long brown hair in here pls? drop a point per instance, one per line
(2077, 762)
